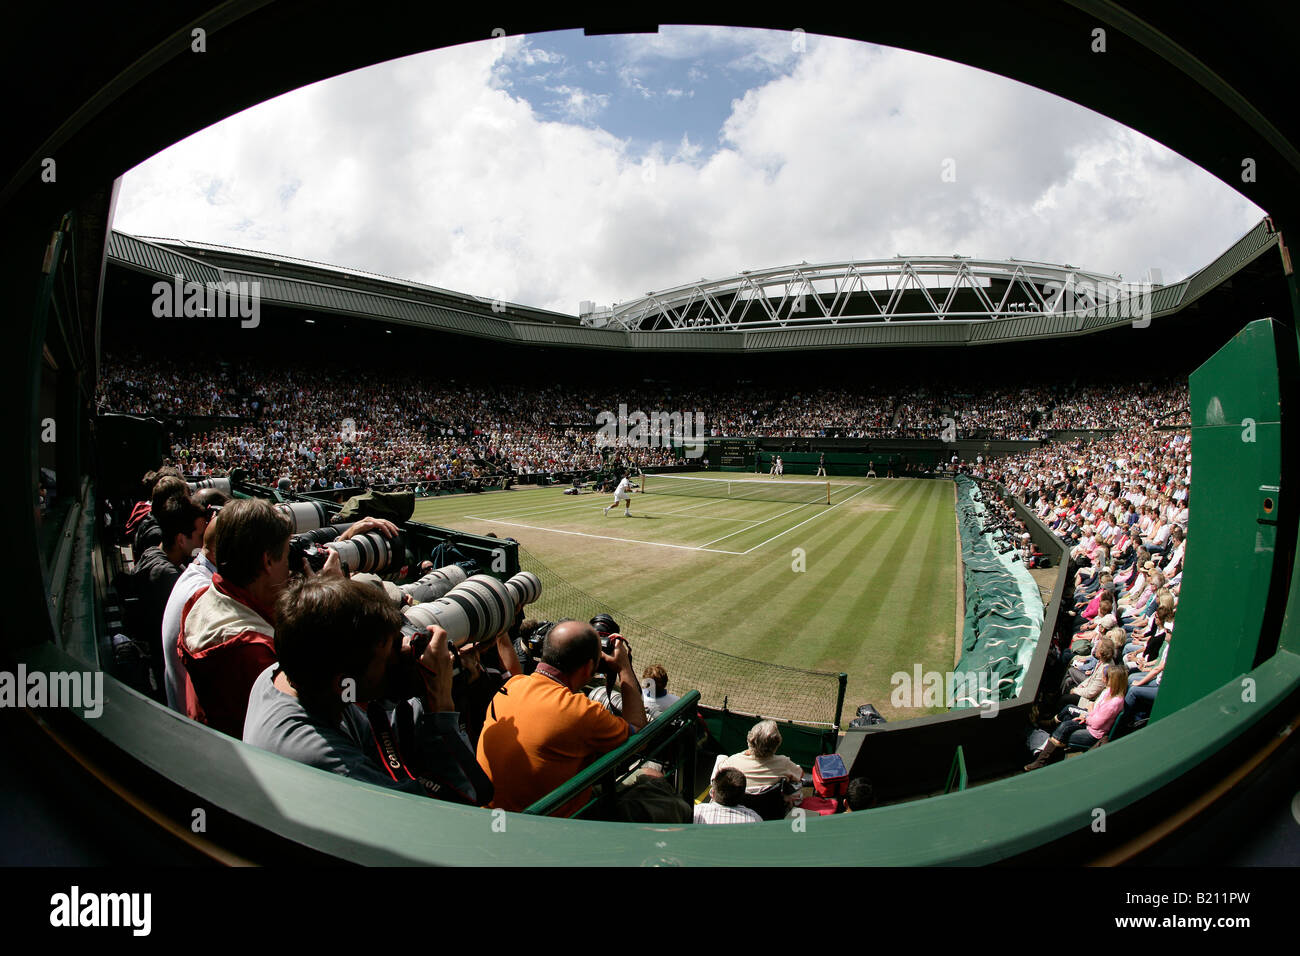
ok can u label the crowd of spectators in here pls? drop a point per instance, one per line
(1120, 504)
(330, 427)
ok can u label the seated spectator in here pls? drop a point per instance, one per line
(1082, 692)
(1145, 685)
(729, 785)
(1085, 731)
(660, 697)
(1149, 633)
(860, 795)
(760, 763)
(649, 797)
(140, 510)
(337, 642)
(541, 730)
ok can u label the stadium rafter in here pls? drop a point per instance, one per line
(903, 288)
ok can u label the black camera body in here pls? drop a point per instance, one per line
(608, 629)
(405, 679)
(528, 645)
(310, 545)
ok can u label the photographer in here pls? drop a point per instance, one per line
(228, 630)
(196, 576)
(339, 642)
(541, 730)
(180, 525)
(606, 695)
(484, 669)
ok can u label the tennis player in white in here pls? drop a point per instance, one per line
(622, 493)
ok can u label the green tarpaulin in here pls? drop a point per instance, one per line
(1004, 611)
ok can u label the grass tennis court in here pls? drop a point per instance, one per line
(866, 585)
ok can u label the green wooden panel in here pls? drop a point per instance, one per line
(1236, 449)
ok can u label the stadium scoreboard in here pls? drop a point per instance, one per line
(737, 452)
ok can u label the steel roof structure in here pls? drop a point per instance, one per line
(828, 293)
(900, 302)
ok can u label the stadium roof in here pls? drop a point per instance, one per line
(931, 302)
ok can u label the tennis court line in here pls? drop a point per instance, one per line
(690, 508)
(567, 506)
(669, 514)
(806, 520)
(757, 523)
(545, 509)
(606, 537)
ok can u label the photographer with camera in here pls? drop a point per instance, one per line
(541, 730)
(196, 576)
(227, 630)
(484, 668)
(180, 525)
(606, 694)
(340, 645)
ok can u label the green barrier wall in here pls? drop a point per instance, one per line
(1236, 437)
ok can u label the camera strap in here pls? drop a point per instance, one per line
(390, 754)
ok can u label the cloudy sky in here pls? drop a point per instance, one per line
(557, 167)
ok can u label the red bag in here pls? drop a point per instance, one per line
(830, 776)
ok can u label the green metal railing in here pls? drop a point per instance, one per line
(957, 776)
(668, 739)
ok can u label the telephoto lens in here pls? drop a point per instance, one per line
(370, 552)
(477, 609)
(304, 515)
(221, 484)
(437, 583)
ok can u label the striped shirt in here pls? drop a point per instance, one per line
(717, 813)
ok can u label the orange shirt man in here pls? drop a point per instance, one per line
(541, 730)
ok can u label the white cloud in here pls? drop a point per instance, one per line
(578, 104)
(428, 168)
(630, 78)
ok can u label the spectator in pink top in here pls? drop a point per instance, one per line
(1086, 730)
